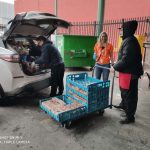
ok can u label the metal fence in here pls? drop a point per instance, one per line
(110, 26)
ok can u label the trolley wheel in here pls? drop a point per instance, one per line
(45, 112)
(66, 125)
(101, 112)
(91, 68)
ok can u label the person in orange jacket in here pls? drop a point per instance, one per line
(103, 51)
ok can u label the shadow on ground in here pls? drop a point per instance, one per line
(24, 100)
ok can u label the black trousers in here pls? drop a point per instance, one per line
(130, 99)
(57, 75)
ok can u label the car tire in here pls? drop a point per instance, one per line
(2, 95)
(101, 112)
(67, 125)
(1, 100)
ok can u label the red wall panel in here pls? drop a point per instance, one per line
(86, 10)
(78, 10)
(118, 9)
(72, 10)
(34, 5)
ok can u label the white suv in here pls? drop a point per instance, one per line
(13, 78)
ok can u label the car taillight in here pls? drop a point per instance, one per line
(10, 57)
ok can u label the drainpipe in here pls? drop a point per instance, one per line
(55, 11)
(100, 16)
(55, 7)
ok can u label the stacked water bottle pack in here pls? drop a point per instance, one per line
(90, 92)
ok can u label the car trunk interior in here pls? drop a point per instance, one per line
(28, 52)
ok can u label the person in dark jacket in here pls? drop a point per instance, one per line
(129, 66)
(35, 50)
(51, 57)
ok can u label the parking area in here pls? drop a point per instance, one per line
(24, 126)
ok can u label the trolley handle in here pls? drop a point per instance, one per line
(114, 72)
(100, 67)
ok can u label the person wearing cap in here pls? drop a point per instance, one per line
(50, 57)
(103, 55)
(129, 66)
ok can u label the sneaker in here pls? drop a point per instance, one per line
(127, 121)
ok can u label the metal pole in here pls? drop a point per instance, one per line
(55, 11)
(100, 15)
(55, 7)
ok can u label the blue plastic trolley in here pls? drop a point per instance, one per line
(92, 93)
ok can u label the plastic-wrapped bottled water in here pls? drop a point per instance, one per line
(94, 56)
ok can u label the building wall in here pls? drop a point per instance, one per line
(71, 10)
(6, 12)
(118, 9)
(86, 10)
(34, 5)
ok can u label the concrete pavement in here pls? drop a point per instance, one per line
(24, 126)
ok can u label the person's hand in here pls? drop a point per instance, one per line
(112, 63)
(34, 66)
(112, 69)
(24, 52)
(32, 58)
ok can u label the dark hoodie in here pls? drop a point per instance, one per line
(129, 28)
(129, 56)
(50, 55)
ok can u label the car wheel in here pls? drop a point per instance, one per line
(2, 95)
(101, 112)
(67, 125)
(1, 100)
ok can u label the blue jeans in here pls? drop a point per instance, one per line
(99, 71)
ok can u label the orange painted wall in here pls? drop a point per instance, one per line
(86, 10)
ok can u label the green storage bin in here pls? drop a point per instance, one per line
(76, 50)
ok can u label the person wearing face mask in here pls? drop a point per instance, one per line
(50, 57)
(129, 66)
(104, 54)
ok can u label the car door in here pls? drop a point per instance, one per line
(33, 24)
